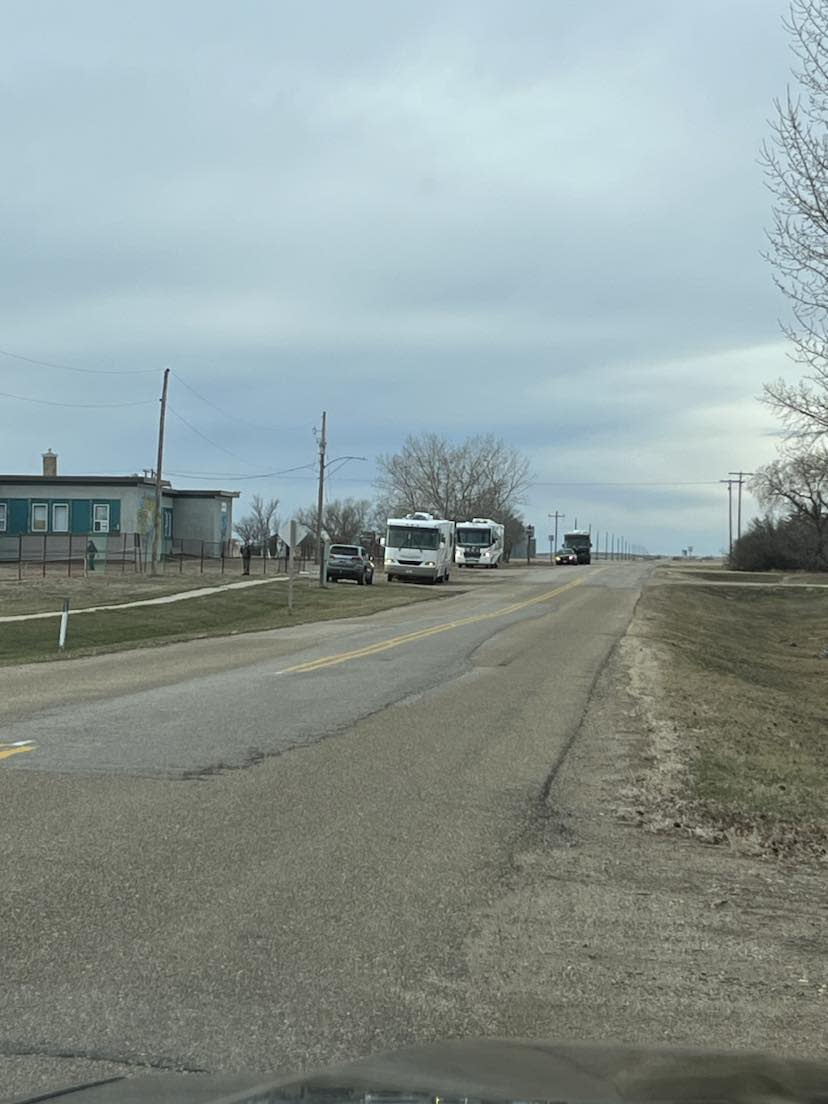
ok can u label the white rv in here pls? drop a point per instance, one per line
(419, 546)
(479, 543)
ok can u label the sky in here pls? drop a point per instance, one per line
(542, 220)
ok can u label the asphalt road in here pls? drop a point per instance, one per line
(177, 890)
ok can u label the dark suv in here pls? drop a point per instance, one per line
(350, 561)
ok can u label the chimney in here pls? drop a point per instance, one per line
(49, 463)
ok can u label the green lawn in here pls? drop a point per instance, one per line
(247, 610)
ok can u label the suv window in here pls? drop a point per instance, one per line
(345, 550)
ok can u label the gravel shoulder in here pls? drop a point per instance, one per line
(622, 919)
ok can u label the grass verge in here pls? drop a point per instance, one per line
(248, 610)
(737, 694)
(36, 595)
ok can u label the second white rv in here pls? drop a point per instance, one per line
(479, 543)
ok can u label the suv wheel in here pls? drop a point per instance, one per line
(361, 578)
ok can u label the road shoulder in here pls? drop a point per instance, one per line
(611, 929)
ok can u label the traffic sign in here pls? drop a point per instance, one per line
(300, 532)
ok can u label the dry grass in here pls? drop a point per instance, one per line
(736, 691)
(36, 594)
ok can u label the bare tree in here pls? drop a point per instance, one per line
(795, 159)
(797, 485)
(482, 477)
(261, 523)
(344, 520)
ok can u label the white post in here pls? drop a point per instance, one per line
(64, 624)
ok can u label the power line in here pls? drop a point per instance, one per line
(235, 475)
(71, 368)
(209, 440)
(77, 406)
(232, 417)
(631, 483)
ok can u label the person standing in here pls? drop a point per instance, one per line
(246, 553)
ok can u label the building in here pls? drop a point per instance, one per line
(112, 510)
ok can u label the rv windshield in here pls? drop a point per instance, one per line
(404, 536)
(474, 536)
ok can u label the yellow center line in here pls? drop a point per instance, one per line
(422, 634)
(7, 750)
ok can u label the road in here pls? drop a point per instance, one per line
(269, 851)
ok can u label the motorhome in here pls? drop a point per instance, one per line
(419, 546)
(479, 543)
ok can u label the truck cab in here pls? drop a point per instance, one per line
(580, 541)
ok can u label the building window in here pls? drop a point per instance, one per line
(4, 517)
(60, 517)
(40, 517)
(100, 517)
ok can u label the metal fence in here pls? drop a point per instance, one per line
(69, 553)
(32, 555)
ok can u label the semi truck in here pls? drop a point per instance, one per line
(419, 546)
(479, 543)
(580, 541)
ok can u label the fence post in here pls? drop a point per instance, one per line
(123, 555)
(69, 572)
(222, 557)
(44, 555)
(19, 557)
(181, 557)
(64, 624)
(202, 557)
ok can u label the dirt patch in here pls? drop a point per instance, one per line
(733, 688)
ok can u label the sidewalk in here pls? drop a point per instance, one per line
(164, 600)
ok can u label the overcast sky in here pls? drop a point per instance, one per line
(538, 219)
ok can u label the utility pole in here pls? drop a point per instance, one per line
(730, 483)
(739, 483)
(320, 540)
(556, 516)
(156, 528)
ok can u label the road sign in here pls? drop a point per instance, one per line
(300, 532)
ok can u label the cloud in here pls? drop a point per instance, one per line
(543, 222)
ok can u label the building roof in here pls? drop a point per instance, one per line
(114, 481)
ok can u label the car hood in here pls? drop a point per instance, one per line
(490, 1070)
